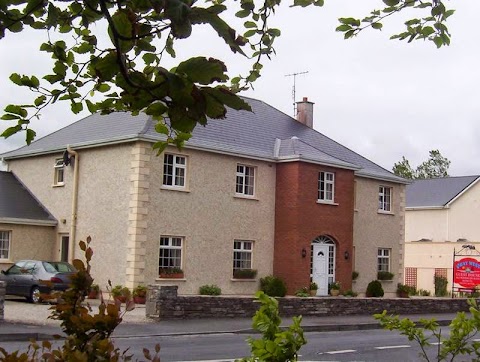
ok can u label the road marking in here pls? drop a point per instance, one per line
(343, 351)
(436, 343)
(212, 360)
(392, 347)
(476, 340)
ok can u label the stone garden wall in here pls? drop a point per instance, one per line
(2, 299)
(164, 303)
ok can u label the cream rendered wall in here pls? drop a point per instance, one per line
(103, 197)
(373, 230)
(426, 224)
(426, 256)
(29, 242)
(210, 217)
(463, 218)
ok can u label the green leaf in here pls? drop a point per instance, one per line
(178, 12)
(162, 128)
(30, 135)
(15, 78)
(202, 70)
(250, 24)
(391, 2)
(122, 28)
(11, 131)
(40, 100)
(156, 109)
(242, 13)
(377, 26)
(10, 117)
(343, 27)
(76, 107)
(11, 108)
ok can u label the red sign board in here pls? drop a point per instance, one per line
(466, 272)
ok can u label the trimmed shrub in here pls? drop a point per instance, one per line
(440, 286)
(210, 290)
(273, 286)
(302, 293)
(374, 289)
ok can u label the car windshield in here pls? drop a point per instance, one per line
(58, 267)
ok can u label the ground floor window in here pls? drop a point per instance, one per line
(383, 260)
(170, 255)
(5, 244)
(242, 254)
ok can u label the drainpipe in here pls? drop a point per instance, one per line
(73, 225)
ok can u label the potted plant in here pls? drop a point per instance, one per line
(120, 293)
(384, 275)
(355, 275)
(313, 289)
(335, 288)
(93, 291)
(403, 290)
(244, 273)
(174, 272)
(140, 294)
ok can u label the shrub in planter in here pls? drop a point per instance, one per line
(350, 293)
(403, 290)
(440, 286)
(244, 273)
(121, 293)
(273, 286)
(374, 289)
(93, 291)
(355, 275)
(210, 290)
(384, 275)
(140, 294)
(171, 273)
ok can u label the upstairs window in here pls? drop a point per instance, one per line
(385, 199)
(245, 180)
(326, 186)
(5, 244)
(174, 170)
(383, 260)
(59, 170)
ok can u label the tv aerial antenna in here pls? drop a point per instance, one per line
(294, 75)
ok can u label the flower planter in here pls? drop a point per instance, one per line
(334, 292)
(121, 299)
(139, 300)
(92, 295)
(171, 275)
(313, 292)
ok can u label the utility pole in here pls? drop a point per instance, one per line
(294, 75)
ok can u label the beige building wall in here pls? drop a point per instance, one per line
(426, 224)
(103, 198)
(210, 217)
(373, 230)
(29, 242)
(448, 229)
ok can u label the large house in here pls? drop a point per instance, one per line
(259, 190)
(441, 218)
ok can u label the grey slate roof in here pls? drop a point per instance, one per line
(242, 133)
(436, 192)
(18, 203)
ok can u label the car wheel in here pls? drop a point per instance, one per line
(34, 295)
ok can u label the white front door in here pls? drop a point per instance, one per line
(320, 260)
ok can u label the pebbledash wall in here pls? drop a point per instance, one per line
(164, 303)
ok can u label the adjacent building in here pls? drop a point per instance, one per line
(258, 190)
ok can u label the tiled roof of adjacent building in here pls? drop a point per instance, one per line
(266, 133)
(437, 192)
(18, 205)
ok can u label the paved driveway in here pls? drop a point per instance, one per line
(17, 310)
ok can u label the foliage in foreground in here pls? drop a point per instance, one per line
(460, 342)
(275, 345)
(113, 55)
(87, 333)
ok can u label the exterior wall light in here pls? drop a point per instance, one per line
(346, 255)
(304, 253)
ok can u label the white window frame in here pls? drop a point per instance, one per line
(385, 199)
(59, 170)
(384, 259)
(245, 180)
(326, 186)
(172, 260)
(242, 250)
(179, 171)
(5, 244)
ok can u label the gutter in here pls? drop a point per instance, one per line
(73, 226)
(20, 221)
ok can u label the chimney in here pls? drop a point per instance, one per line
(305, 112)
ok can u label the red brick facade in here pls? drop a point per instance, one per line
(299, 219)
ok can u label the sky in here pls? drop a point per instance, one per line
(382, 98)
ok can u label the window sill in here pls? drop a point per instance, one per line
(58, 185)
(245, 197)
(242, 280)
(323, 202)
(385, 212)
(173, 188)
(386, 281)
(170, 280)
